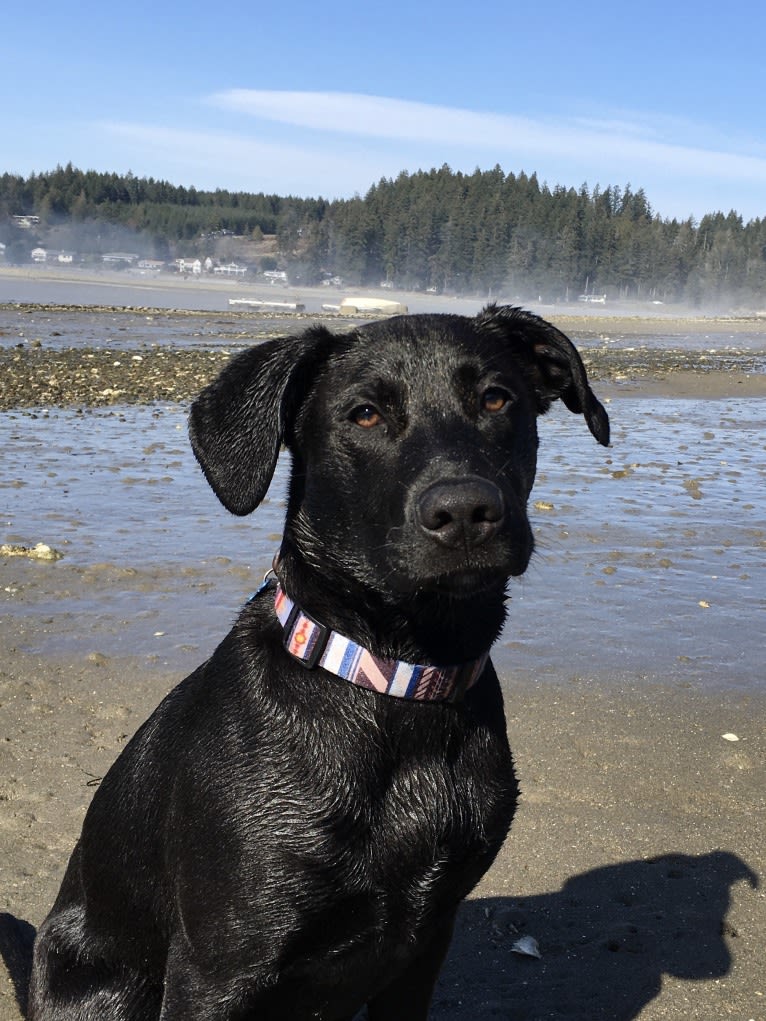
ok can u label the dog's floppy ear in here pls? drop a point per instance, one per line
(239, 421)
(550, 362)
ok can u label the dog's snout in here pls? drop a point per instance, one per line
(461, 512)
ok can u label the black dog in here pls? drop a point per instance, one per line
(291, 832)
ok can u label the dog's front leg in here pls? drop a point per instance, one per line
(408, 997)
(188, 996)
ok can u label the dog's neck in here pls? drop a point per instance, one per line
(418, 627)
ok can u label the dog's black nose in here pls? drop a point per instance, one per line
(461, 512)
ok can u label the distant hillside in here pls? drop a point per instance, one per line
(487, 233)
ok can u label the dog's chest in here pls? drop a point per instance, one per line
(407, 829)
(388, 873)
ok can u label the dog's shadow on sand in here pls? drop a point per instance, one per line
(606, 939)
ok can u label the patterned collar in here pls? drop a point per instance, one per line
(313, 644)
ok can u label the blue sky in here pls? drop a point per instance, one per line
(325, 99)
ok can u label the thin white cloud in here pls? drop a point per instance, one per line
(226, 160)
(612, 144)
(372, 116)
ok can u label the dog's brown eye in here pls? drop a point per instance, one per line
(367, 416)
(495, 399)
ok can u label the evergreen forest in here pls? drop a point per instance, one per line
(488, 233)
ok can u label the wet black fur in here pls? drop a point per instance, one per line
(275, 843)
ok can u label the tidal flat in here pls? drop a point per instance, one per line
(631, 660)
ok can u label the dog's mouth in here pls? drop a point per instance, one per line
(459, 583)
(466, 583)
(416, 569)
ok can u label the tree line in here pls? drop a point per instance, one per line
(490, 232)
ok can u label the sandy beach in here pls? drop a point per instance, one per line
(634, 859)
(634, 686)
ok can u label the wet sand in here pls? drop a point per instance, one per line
(632, 649)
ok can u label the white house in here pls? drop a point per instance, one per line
(189, 266)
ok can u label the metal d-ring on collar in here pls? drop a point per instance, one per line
(313, 644)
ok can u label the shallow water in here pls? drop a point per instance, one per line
(128, 330)
(120, 331)
(656, 551)
(131, 290)
(650, 561)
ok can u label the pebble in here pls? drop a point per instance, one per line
(39, 552)
(92, 378)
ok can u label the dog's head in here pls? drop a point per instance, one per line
(413, 442)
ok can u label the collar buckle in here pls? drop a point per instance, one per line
(304, 638)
